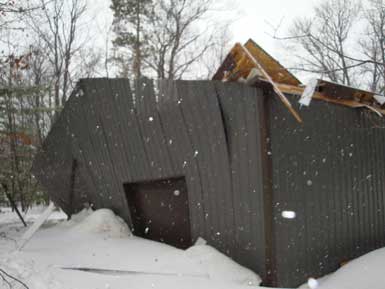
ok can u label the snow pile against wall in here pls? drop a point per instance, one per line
(102, 221)
(221, 268)
(362, 273)
(313, 283)
(79, 217)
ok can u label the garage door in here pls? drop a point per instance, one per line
(160, 211)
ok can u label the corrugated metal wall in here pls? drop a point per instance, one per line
(243, 116)
(331, 172)
(245, 161)
(203, 130)
(53, 165)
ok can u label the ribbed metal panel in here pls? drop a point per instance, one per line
(120, 134)
(241, 109)
(244, 159)
(330, 171)
(202, 118)
(54, 162)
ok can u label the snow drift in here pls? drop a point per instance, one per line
(102, 221)
(100, 239)
(362, 273)
(26, 271)
(221, 268)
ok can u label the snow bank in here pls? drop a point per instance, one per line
(102, 221)
(79, 217)
(8, 216)
(221, 268)
(362, 273)
(314, 283)
(82, 242)
(28, 273)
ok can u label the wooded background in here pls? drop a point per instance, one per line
(47, 45)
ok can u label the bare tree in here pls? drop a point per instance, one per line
(11, 12)
(216, 54)
(373, 47)
(92, 63)
(40, 101)
(57, 26)
(18, 126)
(324, 38)
(178, 36)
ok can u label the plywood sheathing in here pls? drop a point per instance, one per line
(276, 71)
(238, 65)
(250, 58)
(339, 94)
(249, 63)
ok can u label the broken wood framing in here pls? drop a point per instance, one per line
(353, 103)
(38, 223)
(283, 98)
(242, 61)
(250, 64)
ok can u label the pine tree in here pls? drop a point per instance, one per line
(130, 18)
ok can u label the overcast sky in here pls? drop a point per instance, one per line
(256, 17)
(251, 19)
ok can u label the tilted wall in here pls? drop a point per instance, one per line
(209, 132)
(245, 160)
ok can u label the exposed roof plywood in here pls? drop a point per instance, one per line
(238, 65)
(337, 96)
(251, 64)
(276, 71)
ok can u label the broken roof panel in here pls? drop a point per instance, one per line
(340, 91)
(252, 65)
(238, 64)
(276, 71)
(341, 94)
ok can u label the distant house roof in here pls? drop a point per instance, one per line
(250, 64)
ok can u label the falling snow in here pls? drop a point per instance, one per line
(288, 214)
(176, 193)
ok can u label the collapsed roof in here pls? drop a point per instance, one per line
(251, 64)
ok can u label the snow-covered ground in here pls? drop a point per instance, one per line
(102, 240)
(366, 272)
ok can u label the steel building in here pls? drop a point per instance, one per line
(180, 160)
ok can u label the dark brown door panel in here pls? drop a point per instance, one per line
(160, 211)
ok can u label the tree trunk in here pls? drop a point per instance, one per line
(137, 59)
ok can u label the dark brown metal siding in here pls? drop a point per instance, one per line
(245, 160)
(330, 171)
(243, 117)
(202, 117)
(121, 133)
(55, 162)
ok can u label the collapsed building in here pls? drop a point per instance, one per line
(287, 180)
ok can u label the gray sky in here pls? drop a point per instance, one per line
(258, 18)
(251, 16)
(255, 17)
(252, 19)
